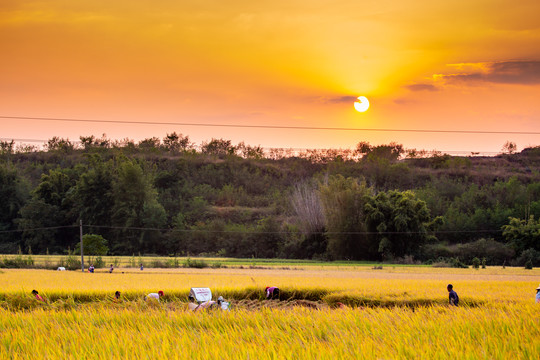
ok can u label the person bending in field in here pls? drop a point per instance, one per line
(91, 268)
(453, 297)
(538, 294)
(37, 296)
(272, 292)
(154, 295)
(111, 269)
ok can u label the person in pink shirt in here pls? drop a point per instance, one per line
(37, 296)
(272, 292)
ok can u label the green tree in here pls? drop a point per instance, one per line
(344, 201)
(135, 206)
(92, 196)
(93, 244)
(176, 143)
(14, 194)
(401, 223)
(219, 147)
(523, 234)
(50, 206)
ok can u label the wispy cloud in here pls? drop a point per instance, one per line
(500, 72)
(422, 87)
(341, 99)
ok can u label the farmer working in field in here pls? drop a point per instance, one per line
(37, 296)
(272, 292)
(154, 295)
(538, 294)
(453, 297)
(220, 303)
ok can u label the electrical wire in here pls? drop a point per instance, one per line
(270, 126)
(254, 232)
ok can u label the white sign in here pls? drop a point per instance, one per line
(201, 294)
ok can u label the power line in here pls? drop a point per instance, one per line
(255, 232)
(272, 126)
(39, 228)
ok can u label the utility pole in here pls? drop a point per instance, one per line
(82, 252)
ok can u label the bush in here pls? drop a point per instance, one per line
(198, 264)
(456, 263)
(529, 255)
(529, 265)
(494, 253)
(99, 263)
(476, 263)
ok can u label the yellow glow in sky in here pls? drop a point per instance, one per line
(423, 65)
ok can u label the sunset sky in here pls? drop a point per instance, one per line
(423, 64)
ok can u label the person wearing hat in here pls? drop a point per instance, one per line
(453, 297)
(272, 292)
(538, 294)
(154, 295)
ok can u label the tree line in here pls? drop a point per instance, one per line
(168, 197)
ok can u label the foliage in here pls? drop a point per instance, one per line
(93, 244)
(523, 234)
(169, 196)
(400, 221)
(343, 202)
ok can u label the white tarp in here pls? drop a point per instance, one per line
(201, 294)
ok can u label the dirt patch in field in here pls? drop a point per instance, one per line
(275, 304)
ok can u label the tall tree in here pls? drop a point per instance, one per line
(135, 206)
(401, 223)
(50, 207)
(344, 201)
(14, 194)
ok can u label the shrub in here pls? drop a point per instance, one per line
(476, 263)
(198, 264)
(528, 255)
(494, 253)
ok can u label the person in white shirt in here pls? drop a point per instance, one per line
(220, 303)
(154, 295)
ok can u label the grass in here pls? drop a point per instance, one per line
(394, 313)
(497, 332)
(50, 261)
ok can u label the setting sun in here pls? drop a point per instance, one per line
(362, 105)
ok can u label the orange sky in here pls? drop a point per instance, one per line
(459, 65)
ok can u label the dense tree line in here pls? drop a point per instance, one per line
(171, 197)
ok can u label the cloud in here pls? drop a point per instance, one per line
(422, 87)
(342, 99)
(403, 101)
(500, 72)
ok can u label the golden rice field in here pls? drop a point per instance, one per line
(394, 313)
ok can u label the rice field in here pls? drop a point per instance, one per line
(394, 313)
